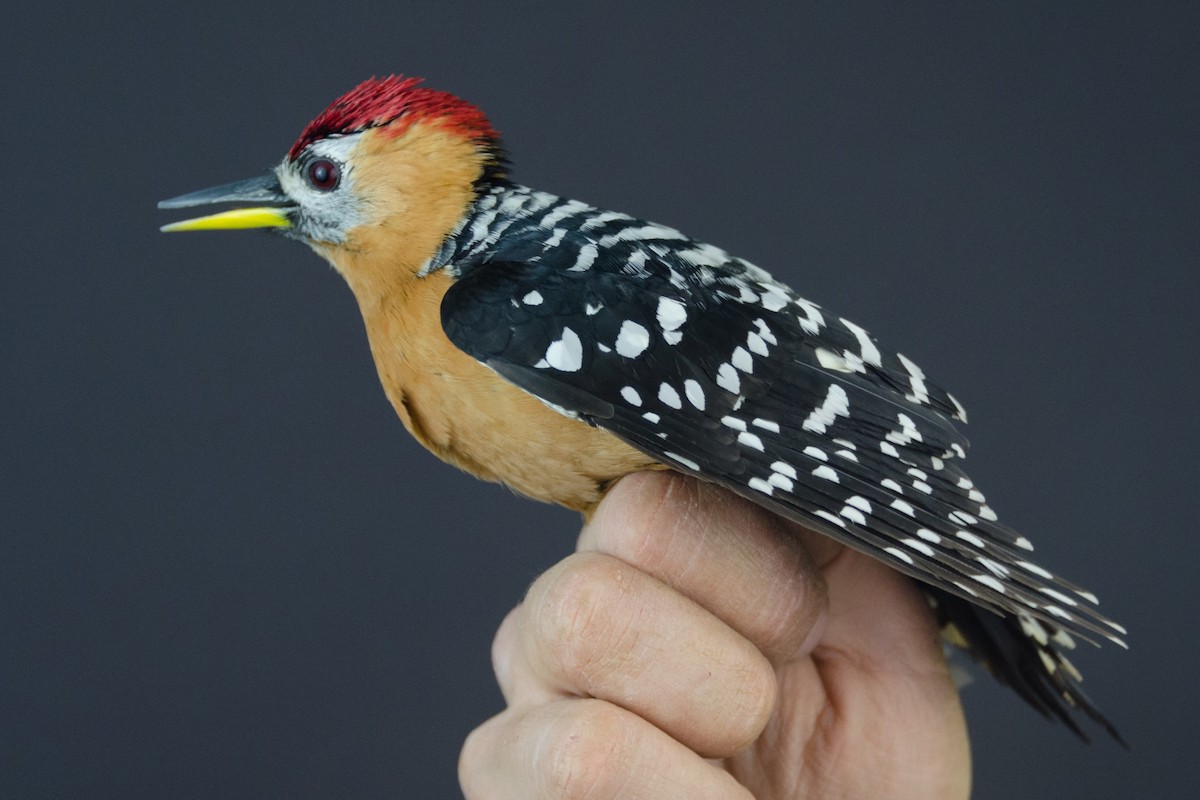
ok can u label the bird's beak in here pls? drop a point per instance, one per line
(255, 190)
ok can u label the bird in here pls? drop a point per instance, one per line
(555, 347)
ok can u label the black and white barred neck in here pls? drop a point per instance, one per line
(708, 364)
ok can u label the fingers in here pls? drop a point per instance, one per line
(584, 749)
(880, 618)
(684, 589)
(662, 640)
(593, 626)
(882, 668)
(753, 570)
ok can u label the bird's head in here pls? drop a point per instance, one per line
(384, 172)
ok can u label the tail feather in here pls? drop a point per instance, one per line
(1024, 654)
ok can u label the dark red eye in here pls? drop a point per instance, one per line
(323, 174)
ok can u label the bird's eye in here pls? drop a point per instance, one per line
(323, 174)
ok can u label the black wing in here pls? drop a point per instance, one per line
(734, 379)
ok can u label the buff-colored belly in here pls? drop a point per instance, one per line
(469, 416)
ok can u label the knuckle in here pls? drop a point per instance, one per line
(789, 617)
(575, 615)
(632, 511)
(666, 526)
(753, 703)
(503, 643)
(586, 753)
(473, 756)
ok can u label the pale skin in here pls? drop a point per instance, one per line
(696, 646)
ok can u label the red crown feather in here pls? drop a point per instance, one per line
(397, 102)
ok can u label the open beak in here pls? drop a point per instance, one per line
(255, 190)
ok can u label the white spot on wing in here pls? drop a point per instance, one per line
(742, 360)
(832, 361)
(737, 423)
(825, 515)
(669, 397)
(860, 502)
(966, 588)
(1057, 595)
(565, 211)
(687, 462)
(1032, 628)
(750, 440)
(695, 394)
(774, 299)
(647, 231)
(919, 546)
(990, 582)
(585, 259)
(867, 349)
(970, 538)
(534, 298)
(1035, 569)
(827, 473)
(631, 396)
(1064, 639)
(994, 567)
(704, 255)
(784, 468)
(813, 320)
(958, 407)
(671, 314)
(853, 514)
(765, 332)
(916, 378)
(783, 482)
(835, 404)
(961, 517)
(566, 354)
(632, 340)
(762, 486)
(756, 344)
(728, 379)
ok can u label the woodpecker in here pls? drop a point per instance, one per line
(555, 347)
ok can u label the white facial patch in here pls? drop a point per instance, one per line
(324, 216)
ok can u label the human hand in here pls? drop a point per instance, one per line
(697, 646)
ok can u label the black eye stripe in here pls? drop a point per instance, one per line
(322, 174)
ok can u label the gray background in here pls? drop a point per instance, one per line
(225, 569)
